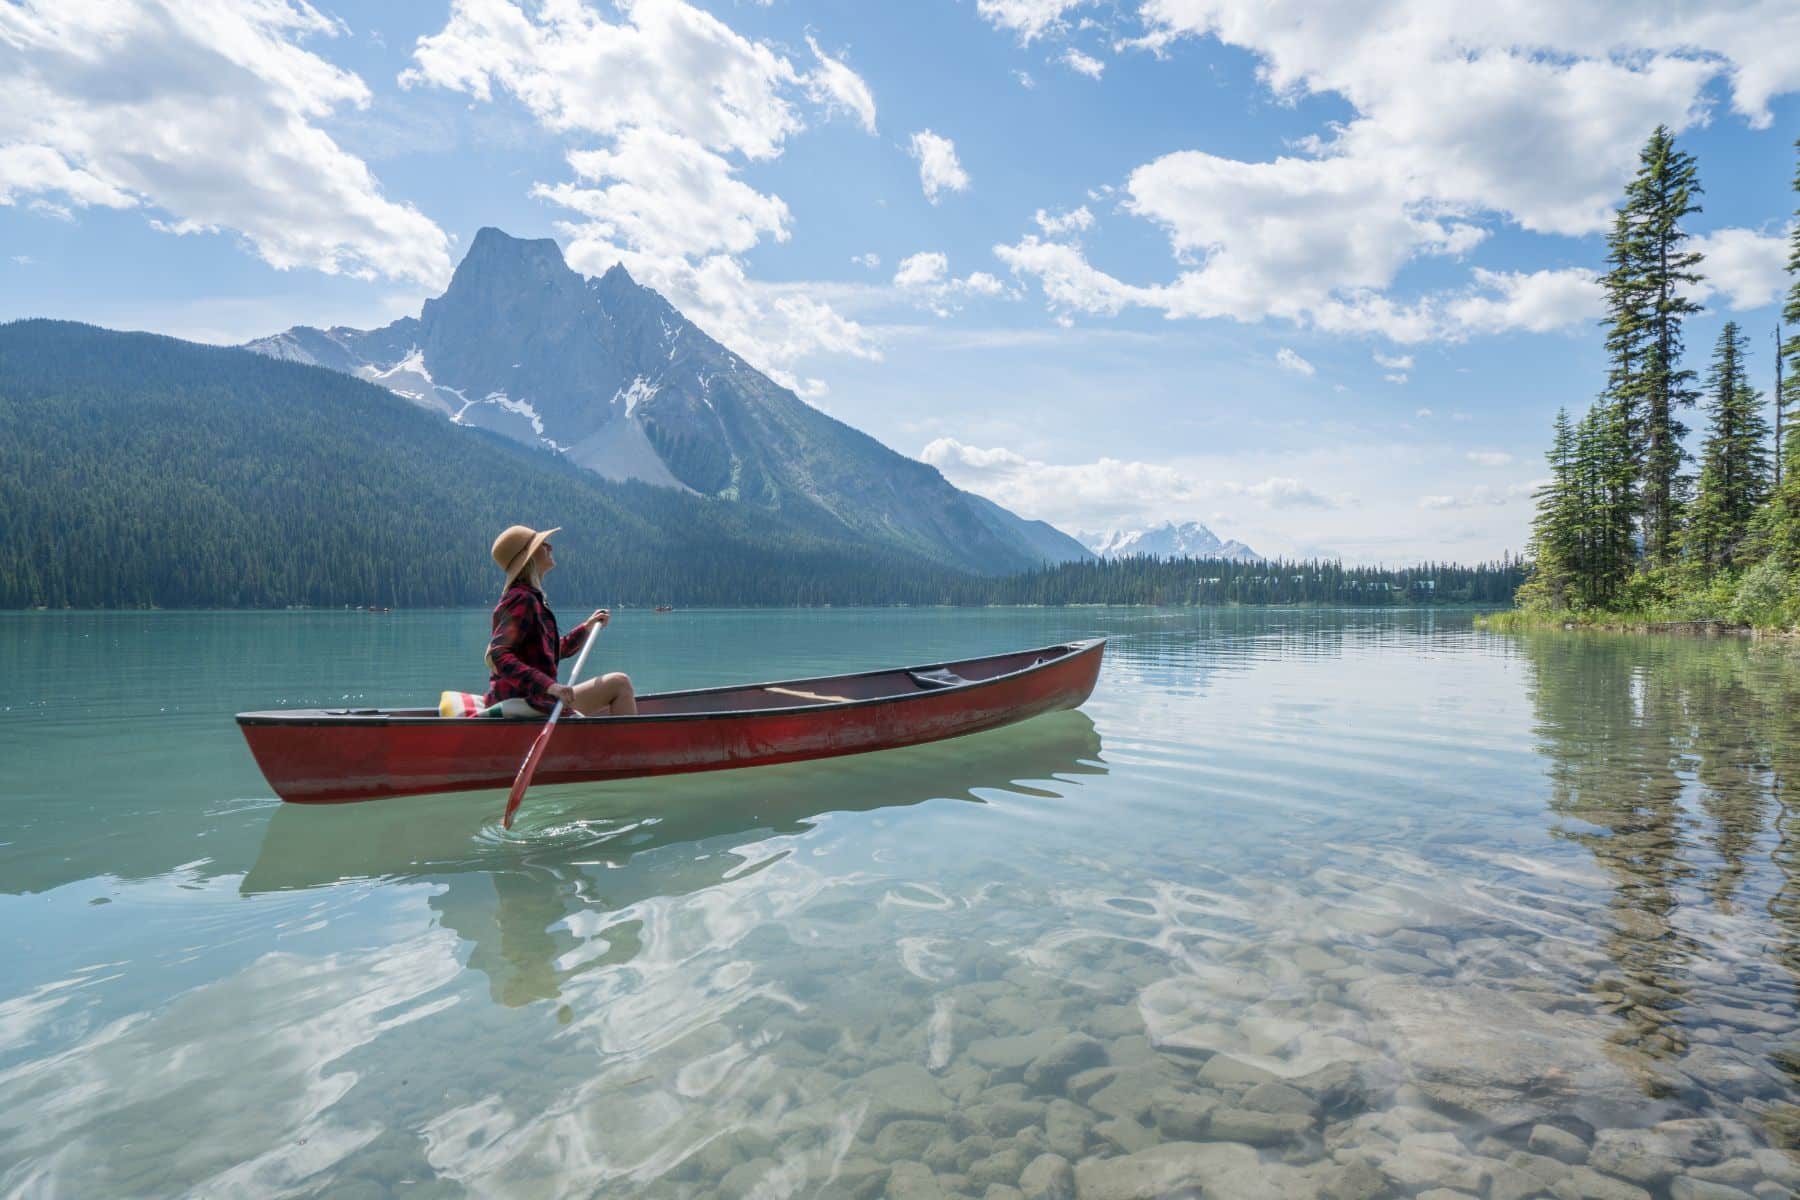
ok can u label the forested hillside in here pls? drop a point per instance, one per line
(1144, 579)
(140, 470)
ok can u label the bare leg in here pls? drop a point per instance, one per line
(606, 696)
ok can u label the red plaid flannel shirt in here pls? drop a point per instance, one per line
(526, 647)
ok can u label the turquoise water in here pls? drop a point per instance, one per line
(1300, 903)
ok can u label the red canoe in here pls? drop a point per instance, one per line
(329, 755)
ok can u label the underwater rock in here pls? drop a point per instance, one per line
(1068, 1056)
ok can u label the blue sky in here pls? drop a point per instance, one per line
(1318, 275)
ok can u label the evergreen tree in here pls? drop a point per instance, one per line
(1779, 525)
(1555, 532)
(1658, 198)
(1780, 399)
(1586, 518)
(1627, 324)
(1734, 465)
(1617, 497)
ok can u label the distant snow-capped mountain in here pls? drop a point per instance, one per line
(1168, 540)
(608, 375)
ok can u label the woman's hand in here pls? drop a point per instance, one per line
(599, 617)
(563, 692)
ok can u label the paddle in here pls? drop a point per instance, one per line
(528, 768)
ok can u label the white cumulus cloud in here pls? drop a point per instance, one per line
(1489, 458)
(1281, 238)
(1529, 108)
(1495, 302)
(1030, 19)
(927, 276)
(835, 87)
(667, 195)
(1746, 268)
(680, 102)
(1083, 64)
(205, 114)
(1069, 281)
(1536, 301)
(939, 170)
(1283, 492)
(1289, 361)
(923, 269)
(1061, 224)
(666, 65)
(1106, 491)
(1394, 362)
(1461, 118)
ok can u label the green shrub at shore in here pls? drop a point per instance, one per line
(1764, 598)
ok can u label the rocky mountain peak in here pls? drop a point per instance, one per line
(508, 272)
(1190, 539)
(497, 248)
(609, 375)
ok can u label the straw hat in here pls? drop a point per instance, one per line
(514, 548)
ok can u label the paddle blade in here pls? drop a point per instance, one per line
(527, 769)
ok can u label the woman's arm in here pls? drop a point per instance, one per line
(573, 640)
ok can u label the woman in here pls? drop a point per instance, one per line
(526, 645)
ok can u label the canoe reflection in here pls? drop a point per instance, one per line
(601, 848)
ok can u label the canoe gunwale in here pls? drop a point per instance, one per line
(1068, 652)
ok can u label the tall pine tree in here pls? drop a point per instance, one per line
(1615, 498)
(1778, 526)
(1658, 198)
(1734, 465)
(1556, 541)
(1627, 324)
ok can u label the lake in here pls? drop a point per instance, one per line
(1341, 904)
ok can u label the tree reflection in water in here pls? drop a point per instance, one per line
(1669, 761)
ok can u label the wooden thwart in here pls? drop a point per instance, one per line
(781, 691)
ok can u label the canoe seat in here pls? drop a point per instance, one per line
(942, 678)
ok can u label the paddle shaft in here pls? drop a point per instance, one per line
(528, 768)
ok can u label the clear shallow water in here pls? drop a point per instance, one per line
(1300, 903)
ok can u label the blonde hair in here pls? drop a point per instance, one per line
(531, 574)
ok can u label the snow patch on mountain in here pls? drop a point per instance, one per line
(409, 378)
(640, 390)
(414, 362)
(1167, 540)
(521, 407)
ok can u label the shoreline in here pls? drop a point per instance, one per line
(1519, 620)
(1452, 606)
